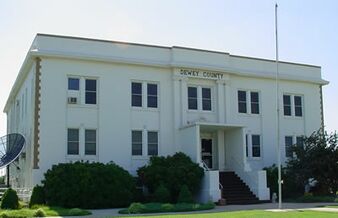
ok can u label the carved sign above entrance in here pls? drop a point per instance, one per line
(201, 74)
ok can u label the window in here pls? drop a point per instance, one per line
(298, 106)
(256, 146)
(136, 94)
(206, 99)
(192, 98)
(136, 140)
(287, 105)
(242, 102)
(90, 91)
(73, 142)
(152, 143)
(152, 95)
(73, 84)
(254, 102)
(288, 146)
(90, 142)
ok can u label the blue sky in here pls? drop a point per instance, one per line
(308, 31)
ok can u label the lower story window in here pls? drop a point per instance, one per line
(73, 141)
(90, 142)
(152, 143)
(288, 146)
(256, 146)
(136, 139)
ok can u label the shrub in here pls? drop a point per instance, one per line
(4, 215)
(173, 171)
(88, 185)
(39, 213)
(38, 196)
(10, 200)
(161, 194)
(136, 208)
(185, 195)
(167, 207)
(77, 212)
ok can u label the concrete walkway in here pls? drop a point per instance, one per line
(267, 206)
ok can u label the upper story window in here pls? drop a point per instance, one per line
(74, 84)
(206, 99)
(136, 94)
(293, 105)
(90, 91)
(90, 142)
(152, 143)
(192, 98)
(199, 98)
(243, 106)
(152, 95)
(136, 142)
(73, 141)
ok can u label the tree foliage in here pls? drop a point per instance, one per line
(317, 160)
(173, 171)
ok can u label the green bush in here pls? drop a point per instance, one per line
(88, 185)
(10, 200)
(39, 213)
(185, 195)
(312, 199)
(161, 194)
(136, 208)
(38, 196)
(4, 215)
(77, 212)
(173, 171)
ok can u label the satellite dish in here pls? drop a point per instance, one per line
(11, 147)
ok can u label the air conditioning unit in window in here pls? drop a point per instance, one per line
(72, 100)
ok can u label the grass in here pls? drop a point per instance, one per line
(137, 208)
(50, 211)
(255, 214)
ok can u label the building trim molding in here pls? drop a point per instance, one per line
(37, 113)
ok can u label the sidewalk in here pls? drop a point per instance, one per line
(266, 206)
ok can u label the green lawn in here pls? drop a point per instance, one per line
(256, 214)
(50, 211)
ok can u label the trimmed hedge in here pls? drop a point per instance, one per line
(161, 194)
(173, 172)
(136, 208)
(10, 200)
(185, 195)
(88, 185)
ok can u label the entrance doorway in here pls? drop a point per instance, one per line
(207, 152)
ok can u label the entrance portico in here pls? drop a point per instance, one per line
(221, 147)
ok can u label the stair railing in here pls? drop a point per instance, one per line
(206, 168)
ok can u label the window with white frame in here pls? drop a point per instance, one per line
(293, 105)
(150, 92)
(199, 98)
(300, 141)
(243, 106)
(90, 142)
(288, 146)
(136, 142)
(152, 143)
(73, 141)
(73, 84)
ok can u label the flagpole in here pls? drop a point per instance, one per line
(277, 123)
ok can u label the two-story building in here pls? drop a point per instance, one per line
(99, 100)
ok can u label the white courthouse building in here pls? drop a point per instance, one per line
(99, 100)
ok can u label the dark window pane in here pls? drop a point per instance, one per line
(90, 135)
(136, 88)
(73, 135)
(254, 102)
(90, 142)
(286, 100)
(206, 103)
(73, 148)
(241, 95)
(287, 105)
(90, 85)
(256, 140)
(256, 151)
(136, 138)
(298, 101)
(152, 89)
(90, 97)
(298, 111)
(256, 145)
(254, 97)
(152, 101)
(90, 149)
(287, 110)
(73, 84)
(152, 143)
(192, 98)
(298, 106)
(241, 107)
(192, 92)
(152, 137)
(136, 100)
(300, 141)
(246, 146)
(206, 93)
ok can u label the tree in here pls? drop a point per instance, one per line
(318, 160)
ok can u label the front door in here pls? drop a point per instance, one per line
(207, 152)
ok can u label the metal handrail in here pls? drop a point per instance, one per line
(205, 166)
